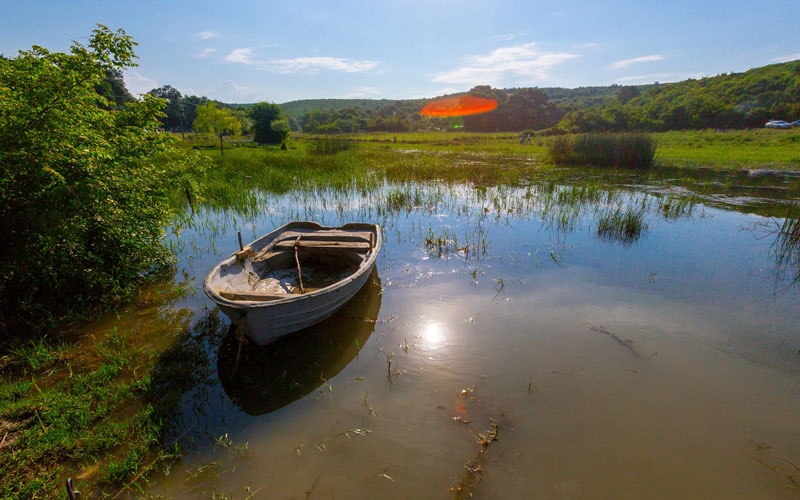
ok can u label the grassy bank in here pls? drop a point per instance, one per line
(98, 406)
(737, 149)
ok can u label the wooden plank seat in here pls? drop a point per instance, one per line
(254, 296)
(323, 240)
(360, 246)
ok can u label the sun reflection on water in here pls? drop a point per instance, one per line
(433, 334)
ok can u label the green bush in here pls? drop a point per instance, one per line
(329, 145)
(604, 150)
(84, 185)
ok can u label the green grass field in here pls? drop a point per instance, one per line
(737, 149)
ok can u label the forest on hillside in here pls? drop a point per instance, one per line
(726, 101)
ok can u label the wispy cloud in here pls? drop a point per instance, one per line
(311, 64)
(505, 65)
(652, 77)
(636, 60)
(300, 64)
(206, 35)
(242, 56)
(205, 53)
(505, 37)
(787, 58)
(363, 93)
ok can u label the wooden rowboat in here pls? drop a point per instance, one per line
(293, 277)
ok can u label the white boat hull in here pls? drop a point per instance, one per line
(237, 284)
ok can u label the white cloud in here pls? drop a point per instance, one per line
(310, 64)
(205, 53)
(300, 64)
(206, 35)
(362, 93)
(653, 77)
(636, 60)
(138, 84)
(242, 56)
(787, 58)
(504, 64)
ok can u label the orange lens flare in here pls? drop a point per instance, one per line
(459, 106)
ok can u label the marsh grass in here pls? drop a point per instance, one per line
(99, 411)
(786, 247)
(329, 145)
(624, 225)
(604, 150)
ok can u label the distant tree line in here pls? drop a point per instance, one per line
(728, 101)
(264, 121)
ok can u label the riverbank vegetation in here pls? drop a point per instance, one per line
(85, 185)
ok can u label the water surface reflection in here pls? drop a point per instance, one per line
(260, 380)
(622, 331)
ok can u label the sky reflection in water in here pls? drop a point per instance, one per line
(627, 362)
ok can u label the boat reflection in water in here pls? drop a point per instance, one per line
(260, 380)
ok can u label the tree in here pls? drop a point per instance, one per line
(217, 121)
(173, 119)
(626, 93)
(281, 127)
(114, 90)
(263, 114)
(84, 187)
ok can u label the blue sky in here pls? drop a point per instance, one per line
(279, 51)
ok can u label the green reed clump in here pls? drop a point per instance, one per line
(329, 145)
(604, 150)
(786, 247)
(622, 225)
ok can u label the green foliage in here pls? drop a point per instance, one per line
(83, 186)
(216, 121)
(728, 101)
(281, 127)
(180, 111)
(263, 115)
(604, 150)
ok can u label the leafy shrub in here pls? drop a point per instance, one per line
(84, 186)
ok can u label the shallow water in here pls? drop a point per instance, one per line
(658, 362)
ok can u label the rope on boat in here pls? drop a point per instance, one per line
(297, 260)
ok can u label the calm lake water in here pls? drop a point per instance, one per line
(653, 359)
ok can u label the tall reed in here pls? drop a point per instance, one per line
(329, 145)
(604, 150)
(786, 247)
